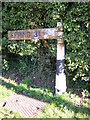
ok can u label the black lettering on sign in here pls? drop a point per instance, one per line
(12, 35)
(46, 33)
(35, 34)
(20, 34)
(39, 33)
(28, 34)
(15, 34)
(23, 34)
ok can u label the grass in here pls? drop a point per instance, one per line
(5, 93)
(68, 105)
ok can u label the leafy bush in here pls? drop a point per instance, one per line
(75, 19)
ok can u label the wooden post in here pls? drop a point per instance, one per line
(43, 34)
(60, 85)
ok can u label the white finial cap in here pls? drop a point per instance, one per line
(59, 24)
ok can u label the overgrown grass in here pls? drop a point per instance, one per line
(67, 105)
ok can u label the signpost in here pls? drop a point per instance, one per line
(42, 34)
(49, 33)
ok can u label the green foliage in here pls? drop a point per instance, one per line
(5, 65)
(4, 93)
(75, 19)
(8, 114)
(68, 105)
(76, 29)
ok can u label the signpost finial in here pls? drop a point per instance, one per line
(59, 24)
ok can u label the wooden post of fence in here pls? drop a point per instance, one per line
(60, 85)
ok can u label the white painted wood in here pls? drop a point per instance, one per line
(60, 83)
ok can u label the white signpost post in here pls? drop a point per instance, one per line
(42, 34)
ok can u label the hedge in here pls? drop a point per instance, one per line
(75, 20)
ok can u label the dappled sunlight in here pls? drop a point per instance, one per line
(67, 105)
(7, 80)
(60, 106)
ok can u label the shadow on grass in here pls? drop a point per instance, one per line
(46, 97)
